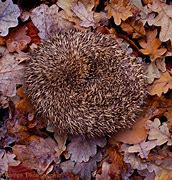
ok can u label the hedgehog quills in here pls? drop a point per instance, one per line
(85, 83)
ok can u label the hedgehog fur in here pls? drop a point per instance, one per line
(85, 83)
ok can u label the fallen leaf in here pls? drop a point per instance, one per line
(61, 141)
(48, 20)
(119, 10)
(23, 104)
(163, 19)
(37, 154)
(142, 148)
(6, 160)
(153, 70)
(115, 159)
(159, 132)
(134, 27)
(33, 33)
(11, 72)
(81, 149)
(134, 161)
(17, 40)
(151, 46)
(161, 85)
(85, 169)
(105, 172)
(67, 166)
(9, 13)
(66, 6)
(152, 73)
(86, 17)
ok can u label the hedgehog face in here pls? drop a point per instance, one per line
(84, 83)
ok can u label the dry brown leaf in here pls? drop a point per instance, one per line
(48, 20)
(7, 159)
(134, 27)
(90, 4)
(61, 141)
(37, 154)
(23, 104)
(82, 149)
(163, 19)
(33, 33)
(17, 40)
(161, 85)
(85, 169)
(154, 70)
(86, 16)
(11, 72)
(143, 148)
(159, 133)
(151, 46)
(66, 6)
(104, 172)
(117, 165)
(119, 10)
(9, 13)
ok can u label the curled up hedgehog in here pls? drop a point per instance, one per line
(85, 83)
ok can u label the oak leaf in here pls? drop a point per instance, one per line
(11, 72)
(81, 149)
(134, 27)
(159, 132)
(66, 6)
(18, 40)
(9, 13)
(163, 19)
(37, 154)
(48, 20)
(151, 46)
(85, 169)
(161, 85)
(119, 10)
(154, 70)
(134, 160)
(87, 18)
(113, 164)
(142, 148)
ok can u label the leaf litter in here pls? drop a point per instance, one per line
(29, 146)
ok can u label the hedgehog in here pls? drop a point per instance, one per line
(85, 83)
